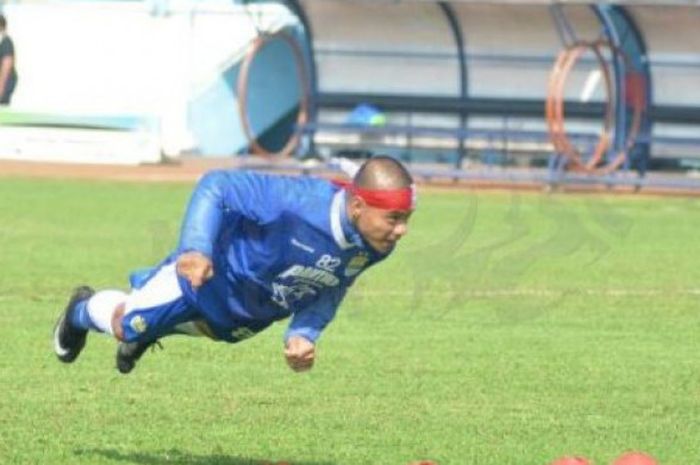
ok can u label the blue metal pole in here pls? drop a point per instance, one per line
(456, 28)
(640, 152)
(604, 11)
(296, 8)
(565, 30)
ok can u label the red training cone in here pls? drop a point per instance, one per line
(635, 458)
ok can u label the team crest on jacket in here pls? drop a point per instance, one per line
(356, 264)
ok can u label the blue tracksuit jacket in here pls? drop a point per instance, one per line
(281, 246)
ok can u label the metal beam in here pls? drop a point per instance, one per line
(494, 106)
(456, 28)
(661, 3)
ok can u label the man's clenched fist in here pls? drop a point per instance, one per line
(300, 353)
(196, 267)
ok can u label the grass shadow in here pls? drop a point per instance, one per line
(177, 457)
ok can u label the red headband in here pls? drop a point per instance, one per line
(387, 199)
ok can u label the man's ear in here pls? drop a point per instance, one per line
(355, 207)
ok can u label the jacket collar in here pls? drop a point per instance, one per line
(344, 233)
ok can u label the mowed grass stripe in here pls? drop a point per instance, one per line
(507, 329)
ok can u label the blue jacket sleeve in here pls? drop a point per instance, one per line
(310, 321)
(222, 193)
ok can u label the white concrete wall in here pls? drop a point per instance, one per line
(135, 58)
(383, 27)
(514, 29)
(520, 31)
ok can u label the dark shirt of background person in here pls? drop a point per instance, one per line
(8, 74)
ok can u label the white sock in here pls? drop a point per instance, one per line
(101, 307)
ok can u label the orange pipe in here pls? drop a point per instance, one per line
(242, 89)
(555, 111)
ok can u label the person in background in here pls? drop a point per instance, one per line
(8, 74)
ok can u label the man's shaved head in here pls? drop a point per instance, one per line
(382, 172)
(381, 223)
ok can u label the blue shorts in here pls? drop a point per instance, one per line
(157, 307)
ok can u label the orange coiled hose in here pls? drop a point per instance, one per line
(242, 89)
(555, 115)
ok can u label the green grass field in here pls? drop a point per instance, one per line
(508, 329)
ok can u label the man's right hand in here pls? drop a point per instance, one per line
(195, 267)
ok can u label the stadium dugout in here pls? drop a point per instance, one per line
(468, 83)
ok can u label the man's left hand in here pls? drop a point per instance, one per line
(300, 353)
